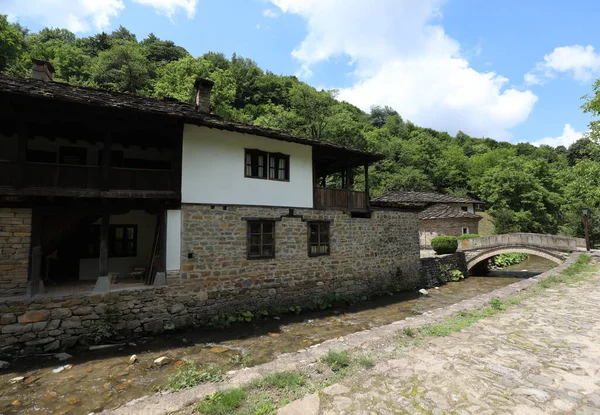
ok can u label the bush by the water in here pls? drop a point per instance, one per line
(444, 244)
(505, 260)
(467, 236)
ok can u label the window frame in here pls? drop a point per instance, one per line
(254, 152)
(465, 230)
(276, 157)
(319, 243)
(249, 235)
(276, 169)
(112, 238)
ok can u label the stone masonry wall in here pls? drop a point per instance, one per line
(434, 268)
(15, 237)
(367, 256)
(429, 229)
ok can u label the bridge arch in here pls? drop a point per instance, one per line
(482, 256)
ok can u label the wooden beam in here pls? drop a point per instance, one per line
(104, 229)
(106, 160)
(367, 193)
(178, 160)
(161, 265)
(36, 255)
(22, 138)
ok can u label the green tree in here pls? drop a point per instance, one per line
(584, 148)
(162, 51)
(592, 107)
(314, 109)
(11, 44)
(122, 68)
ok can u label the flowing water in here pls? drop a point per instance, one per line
(105, 379)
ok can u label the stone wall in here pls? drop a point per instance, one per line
(366, 256)
(15, 237)
(434, 269)
(430, 228)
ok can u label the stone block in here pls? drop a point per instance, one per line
(60, 313)
(7, 319)
(16, 328)
(71, 323)
(83, 311)
(34, 316)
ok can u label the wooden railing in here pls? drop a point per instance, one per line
(339, 198)
(76, 177)
(141, 179)
(62, 176)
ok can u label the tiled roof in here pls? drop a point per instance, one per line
(443, 211)
(169, 107)
(407, 199)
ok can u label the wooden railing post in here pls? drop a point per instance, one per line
(104, 229)
(106, 160)
(367, 196)
(22, 137)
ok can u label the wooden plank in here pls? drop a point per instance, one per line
(104, 229)
(367, 191)
(23, 137)
(106, 160)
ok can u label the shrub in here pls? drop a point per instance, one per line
(337, 359)
(222, 403)
(468, 236)
(444, 244)
(189, 375)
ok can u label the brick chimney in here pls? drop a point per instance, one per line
(42, 70)
(202, 88)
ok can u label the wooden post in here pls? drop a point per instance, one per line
(348, 186)
(104, 229)
(587, 232)
(367, 195)
(23, 137)
(106, 160)
(178, 162)
(36, 269)
(161, 265)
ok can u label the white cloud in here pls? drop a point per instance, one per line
(171, 7)
(85, 15)
(568, 137)
(270, 13)
(401, 58)
(580, 62)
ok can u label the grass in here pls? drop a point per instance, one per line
(283, 380)
(365, 361)
(189, 375)
(222, 403)
(337, 360)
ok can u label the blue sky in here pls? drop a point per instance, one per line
(510, 70)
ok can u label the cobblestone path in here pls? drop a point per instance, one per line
(539, 357)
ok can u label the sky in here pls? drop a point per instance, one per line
(512, 70)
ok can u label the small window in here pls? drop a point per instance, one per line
(123, 241)
(465, 231)
(72, 155)
(261, 239)
(279, 166)
(256, 164)
(318, 238)
(464, 208)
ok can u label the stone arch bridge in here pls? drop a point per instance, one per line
(552, 247)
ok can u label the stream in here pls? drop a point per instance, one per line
(105, 379)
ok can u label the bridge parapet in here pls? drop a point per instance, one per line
(550, 242)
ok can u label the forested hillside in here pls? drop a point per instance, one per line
(527, 188)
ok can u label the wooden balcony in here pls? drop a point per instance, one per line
(327, 198)
(47, 179)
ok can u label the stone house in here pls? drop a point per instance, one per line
(171, 216)
(440, 215)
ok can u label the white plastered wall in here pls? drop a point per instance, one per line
(173, 240)
(213, 170)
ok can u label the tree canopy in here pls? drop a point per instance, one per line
(527, 188)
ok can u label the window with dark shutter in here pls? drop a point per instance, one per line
(279, 166)
(261, 239)
(256, 164)
(122, 241)
(318, 238)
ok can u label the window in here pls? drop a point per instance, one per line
(279, 166)
(263, 165)
(256, 164)
(122, 241)
(72, 155)
(464, 208)
(318, 238)
(261, 239)
(465, 231)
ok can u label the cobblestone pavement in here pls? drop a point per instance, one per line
(539, 357)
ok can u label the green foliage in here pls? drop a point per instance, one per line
(243, 359)
(468, 236)
(222, 403)
(456, 275)
(337, 360)
(366, 362)
(283, 380)
(11, 43)
(444, 244)
(512, 258)
(189, 375)
(122, 68)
